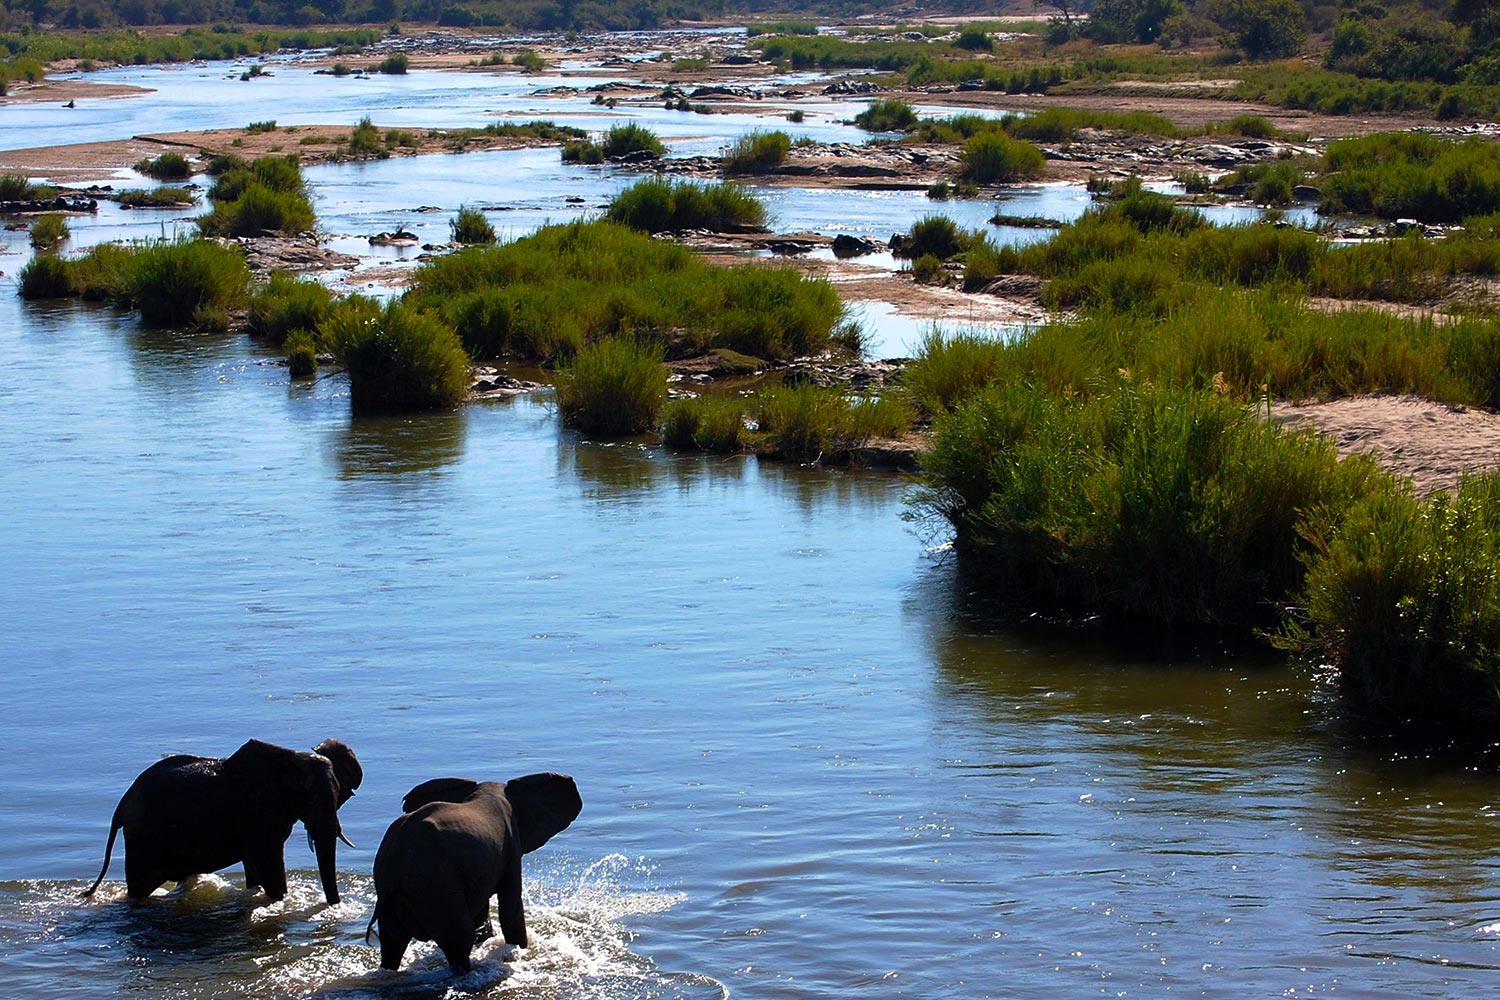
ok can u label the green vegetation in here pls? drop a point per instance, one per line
(613, 387)
(662, 205)
(255, 128)
(264, 196)
(394, 64)
(286, 305)
(161, 196)
(546, 295)
(398, 358)
(183, 282)
(630, 139)
(706, 423)
(1411, 175)
(813, 424)
(887, 116)
(757, 151)
(46, 276)
(14, 187)
(365, 143)
(781, 28)
(529, 61)
(582, 151)
(166, 167)
(49, 232)
(1404, 603)
(994, 158)
(470, 226)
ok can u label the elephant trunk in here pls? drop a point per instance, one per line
(325, 843)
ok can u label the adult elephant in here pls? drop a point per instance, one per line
(458, 843)
(189, 815)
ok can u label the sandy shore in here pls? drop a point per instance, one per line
(63, 91)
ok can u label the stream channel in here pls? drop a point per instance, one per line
(811, 765)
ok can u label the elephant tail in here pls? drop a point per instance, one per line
(370, 930)
(109, 848)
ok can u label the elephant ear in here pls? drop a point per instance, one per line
(346, 767)
(438, 790)
(543, 805)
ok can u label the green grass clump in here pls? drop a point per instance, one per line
(546, 295)
(398, 358)
(285, 305)
(993, 158)
(266, 196)
(49, 232)
(781, 28)
(470, 226)
(1165, 505)
(529, 61)
(14, 187)
(810, 423)
(1403, 600)
(188, 283)
(613, 387)
(582, 151)
(705, 423)
(662, 205)
(757, 152)
(1411, 175)
(103, 274)
(256, 128)
(887, 116)
(936, 236)
(949, 368)
(46, 276)
(365, 143)
(629, 139)
(166, 167)
(161, 196)
(394, 64)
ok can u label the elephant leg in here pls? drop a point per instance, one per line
(456, 949)
(508, 895)
(143, 874)
(485, 930)
(267, 869)
(394, 937)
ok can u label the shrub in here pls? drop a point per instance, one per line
(191, 283)
(398, 358)
(529, 61)
(301, 354)
(166, 167)
(613, 387)
(1404, 601)
(49, 231)
(162, 196)
(756, 152)
(936, 236)
(949, 368)
(284, 306)
(810, 423)
(103, 273)
(582, 151)
(14, 187)
(887, 116)
(256, 128)
(394, 64)
(927, 269)
(630, 139)
(991, 157)
(258, 210)
(46, 276)
(706, 423)
(1171, 506)
(975, 40)
(657, 205)
(471, 226)
(365, 142)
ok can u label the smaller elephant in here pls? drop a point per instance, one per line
(189, 815)
(458, 843)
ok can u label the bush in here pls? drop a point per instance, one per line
(1404, 601)
(301, 354)
(975, 40)
(936, 236)
(529, 61)
(582, 151)
(162, 196)
(46, 276)
(994, 158)
(394, 64)
(398, 358)
(189, 283)
(49, 231)
(1170, 506)
(756, 152)
(613, 387)
(284, 306)
(471, 226)
(630, 139)
(950, 368)
(706, 423)
(259, 210)
(166, 167)
(887, 116)
(810, 423)
(103, 273)
(660, 205)
(365, 142)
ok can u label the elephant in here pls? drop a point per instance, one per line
(458, 843)
(188, 815)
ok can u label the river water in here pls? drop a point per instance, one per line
(811, 765)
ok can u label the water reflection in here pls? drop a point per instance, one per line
(399, 445)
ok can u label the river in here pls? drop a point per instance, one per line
(811, 766)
